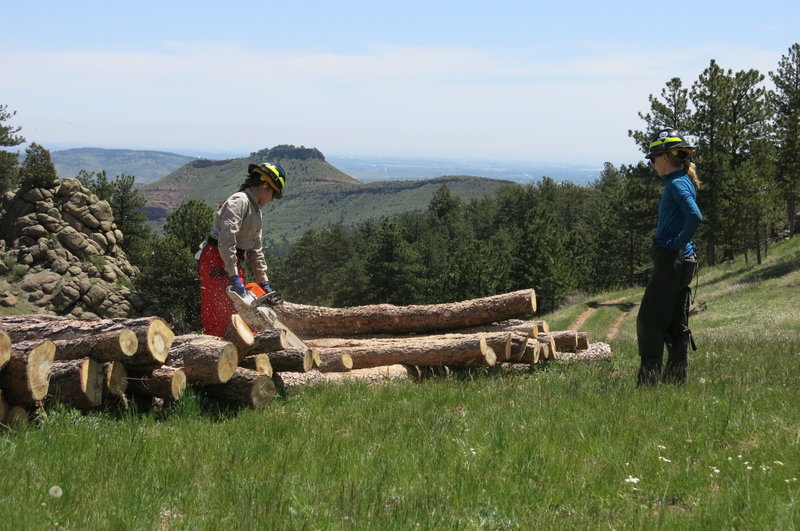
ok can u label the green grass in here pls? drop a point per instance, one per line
(567, 446)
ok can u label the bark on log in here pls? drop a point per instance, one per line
(257, 362)
(452, 349)
(564, 340)
(293, 380)
(334, 362)
(292, 360)
(245, 387)
(168, 383)
(527, 327)
(270, 341)
(318, 321)
(240, 335)
(115, 379)
(155, 339)
(78, 383)
(25, 378)
(100, 339)
(5, 351)
(204, 359)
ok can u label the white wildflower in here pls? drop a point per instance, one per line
(55, 491)
(631, 479)
(664, 459)
(778, 463)
(662, 447)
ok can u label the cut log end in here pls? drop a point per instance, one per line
(38, 369)
(228, 361)
(159, 339)
(5, 349)
(128, 342)
(240, 335)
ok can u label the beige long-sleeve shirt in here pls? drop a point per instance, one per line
(237, 224)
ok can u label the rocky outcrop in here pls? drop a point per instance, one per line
(60, 252)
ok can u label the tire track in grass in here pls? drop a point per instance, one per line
(614, 328)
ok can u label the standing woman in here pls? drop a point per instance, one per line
(235, 239)
(664, 311)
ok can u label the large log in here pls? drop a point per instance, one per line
(155, 339)
(25, 379)
(78, 383)
(583, 340)
(319, 321)
(240, 335)
(101, 339)
(334, 361)
(245, 387)
(5, 350)
(293, 380)
(450, 349)
(168, 383)
(292, 360)
(205, 359)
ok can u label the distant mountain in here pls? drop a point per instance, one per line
(317, 193)
(146, 166)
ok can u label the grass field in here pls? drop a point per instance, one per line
(566, 446)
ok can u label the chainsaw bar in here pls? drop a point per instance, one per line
(260, 317)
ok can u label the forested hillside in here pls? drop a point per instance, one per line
(147, 166)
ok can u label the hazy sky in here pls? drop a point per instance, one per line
(556, 81)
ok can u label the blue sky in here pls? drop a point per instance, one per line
(557, 82)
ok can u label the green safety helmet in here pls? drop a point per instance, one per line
(269, 173)
(668, 140)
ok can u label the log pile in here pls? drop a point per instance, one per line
(88, 363)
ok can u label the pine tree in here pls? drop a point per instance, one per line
(786, 107)
(38, 171)
(190, 223)
(672, 110)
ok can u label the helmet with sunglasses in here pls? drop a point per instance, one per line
(668, 140)
(270, 173)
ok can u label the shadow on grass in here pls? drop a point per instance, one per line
(774, 271)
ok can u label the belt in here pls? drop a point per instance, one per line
(214, 241)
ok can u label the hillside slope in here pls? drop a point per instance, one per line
(146, 166)
(317, 194)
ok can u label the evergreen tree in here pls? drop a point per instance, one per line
(190, 223)
(37, 171)
(392, 266)
(8, 160)
(786, 107)
(672, 110)
(129, 216)
(98, 183)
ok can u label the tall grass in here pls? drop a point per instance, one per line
(566, 446)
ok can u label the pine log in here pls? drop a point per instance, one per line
(532, 352)
(564, 340)
(204, 359)
(155, 339)
(257, 362)
(269, 341)
(115, 379)
(319, 321)
(168, 383)
(583, 340)
(293, 380)
(334, 362)
(25, 379)
(78, 383)
(240, 335)
(529, 328)
(5, 351)
(245, 387)
(548, 347)
(292, 360)
(100, 339)
(452, 349)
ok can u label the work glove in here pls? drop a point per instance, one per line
(237, 284)
(272, 295)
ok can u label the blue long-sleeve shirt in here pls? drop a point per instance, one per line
(678, 213)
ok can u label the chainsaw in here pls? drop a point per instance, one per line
(255, 307)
